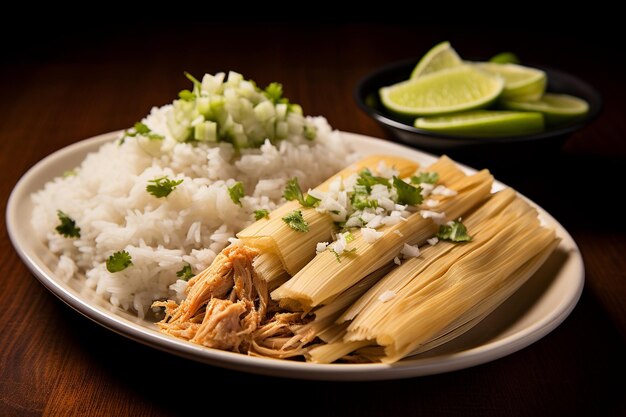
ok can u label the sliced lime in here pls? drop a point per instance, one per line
(446, 91)
(556, 108)
(440, 57)
(505, 58)
(520, 83)
(485, 123)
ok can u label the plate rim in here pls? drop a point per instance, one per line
(275, 367)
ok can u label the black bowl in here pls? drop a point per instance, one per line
(367, 97)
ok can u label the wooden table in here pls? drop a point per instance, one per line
(72, 85)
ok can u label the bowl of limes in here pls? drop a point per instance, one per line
(443, 102)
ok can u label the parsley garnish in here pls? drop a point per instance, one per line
(407, 194)
(119, 261)
(296, 221)
(236, 192)
(185, 274)
(454, 232)
(261, 214)
(293, 192)
(368, 180)
(68, 226)
(162, 187)
(143, 130)
(425, 177)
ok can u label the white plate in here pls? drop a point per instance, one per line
(535, 310)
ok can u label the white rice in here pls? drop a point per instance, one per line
(108, 200)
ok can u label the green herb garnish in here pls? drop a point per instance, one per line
(407, 194)
(196, 84)
(185, 274)
(236, 192)
(68, 226)
(360, 198)
(143, 130)
(162, 187)
(345, 251)
(454, 231)
(296, 221)
(368, 180)
(119, 261)
(261, 214)
(425, 177)
(293, 192)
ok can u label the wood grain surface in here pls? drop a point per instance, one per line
(74, 84)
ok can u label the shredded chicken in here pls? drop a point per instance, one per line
(228, 307)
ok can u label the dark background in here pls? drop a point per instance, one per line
(65, 80)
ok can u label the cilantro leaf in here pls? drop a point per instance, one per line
(407, 194)
(425, 177)
(142, 129)
(368, 180)
(119, 261)
(162, 187)
(68, 226)
(236, 192)
(359, 198)
(293, 192)
(186, 273)
(296, 221)
(261, 214)
(454, 232)
(310, 201)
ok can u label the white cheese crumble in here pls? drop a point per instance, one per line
(439, 218)
(432, 241)
(430, 203)
(386, 171)
(321, 247)
(426, 189)
(386, 296)
(410, 251)
(441, 190)
(396, 261)
(370, 235)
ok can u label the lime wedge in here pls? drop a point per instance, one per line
(520, 83)
(505, 58)
(485, 123)
(440, 57)
(556, 108)
(446, 91)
